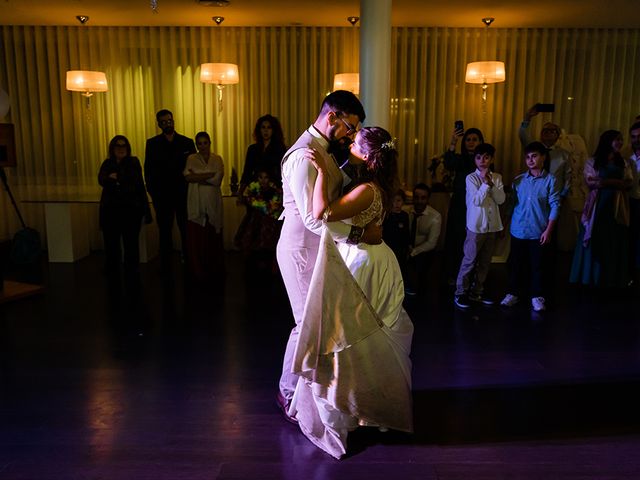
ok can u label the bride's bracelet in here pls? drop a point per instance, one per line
(326, 214)
(355, 235)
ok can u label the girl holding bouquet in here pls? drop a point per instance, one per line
(259, 231)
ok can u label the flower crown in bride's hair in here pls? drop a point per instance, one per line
(390, 145)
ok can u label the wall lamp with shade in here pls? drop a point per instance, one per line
(347, 81)
(220, 74)
(88, 82)
(485, 73)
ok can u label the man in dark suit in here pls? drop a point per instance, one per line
(164, 162)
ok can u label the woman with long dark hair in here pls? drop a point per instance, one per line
(265, 154)
(123, 205)
(600, 256)
(353, 350)
(461, 164)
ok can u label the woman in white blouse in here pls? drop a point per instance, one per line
(204, 172)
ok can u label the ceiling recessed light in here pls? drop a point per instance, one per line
(213, 3)
(488, 20)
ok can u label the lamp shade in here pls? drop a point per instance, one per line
(219, 73)
(86, 81)
(347, 81)
(485, 72)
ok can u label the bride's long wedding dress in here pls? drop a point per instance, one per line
(355, 338)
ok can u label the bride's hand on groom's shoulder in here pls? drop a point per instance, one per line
(315, 159)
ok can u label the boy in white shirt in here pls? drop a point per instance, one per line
(485, 192)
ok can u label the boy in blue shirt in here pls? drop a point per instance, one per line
(536, 201)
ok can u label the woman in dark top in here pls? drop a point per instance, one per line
(123, 205)
(265, 154)
(461, 164)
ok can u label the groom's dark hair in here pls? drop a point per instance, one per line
(342, 102)
(422, 186)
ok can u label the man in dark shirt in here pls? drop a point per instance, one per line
(164, 162)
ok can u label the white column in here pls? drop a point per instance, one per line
(375, 61)
(67, 235)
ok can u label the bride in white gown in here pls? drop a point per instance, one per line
(353, 351)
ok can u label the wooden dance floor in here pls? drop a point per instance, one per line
(179, 382)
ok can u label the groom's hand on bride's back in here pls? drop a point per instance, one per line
(372, 234)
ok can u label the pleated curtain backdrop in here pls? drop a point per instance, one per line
(590, 74)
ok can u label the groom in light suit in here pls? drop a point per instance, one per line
(337, 122)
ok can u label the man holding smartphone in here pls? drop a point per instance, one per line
(559, 164)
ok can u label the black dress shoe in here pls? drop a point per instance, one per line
(461, 301)
(481, 299)
(283, 405)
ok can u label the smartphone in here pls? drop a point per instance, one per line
(546, 107)
(459, 125)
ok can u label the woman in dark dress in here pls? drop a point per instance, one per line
(461, 164)
(265, 154)
(600, 257)
(123, 205)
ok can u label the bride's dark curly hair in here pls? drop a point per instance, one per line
(382, 162)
